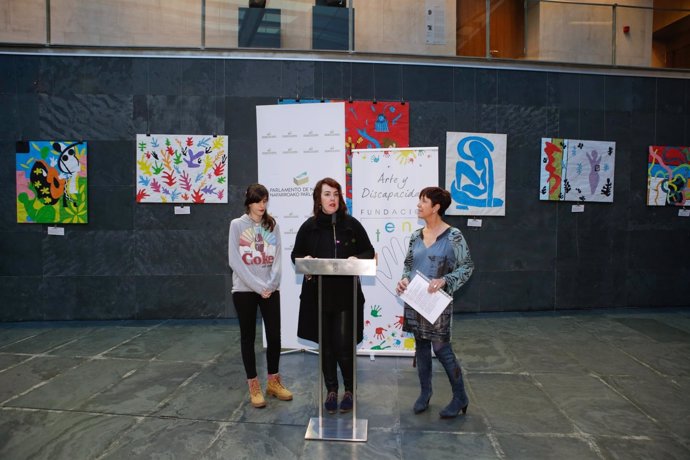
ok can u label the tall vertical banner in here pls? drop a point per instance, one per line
(385, 192)
(297, 145)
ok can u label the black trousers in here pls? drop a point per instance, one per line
(337, 349)
(246, 304)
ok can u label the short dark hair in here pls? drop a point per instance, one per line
(342, 208)
(254, 194)
(437, 196)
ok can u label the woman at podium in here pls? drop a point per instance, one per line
(331, 233)
(440, 253)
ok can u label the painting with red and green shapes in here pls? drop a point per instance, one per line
(668, 175)
(182, 168)
(51, 182)
(577, 170)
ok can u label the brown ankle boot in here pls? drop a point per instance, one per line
(255, 394)
(275, 387)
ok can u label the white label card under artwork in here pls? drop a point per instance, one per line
(183, 210)
(578, 208)
(684, 213)
(57, 231)
(474, 222)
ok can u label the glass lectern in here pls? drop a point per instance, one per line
(337, 428)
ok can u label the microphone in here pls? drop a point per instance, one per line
(335, 241)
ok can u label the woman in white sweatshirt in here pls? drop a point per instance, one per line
(254, 255)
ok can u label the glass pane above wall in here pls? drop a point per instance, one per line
(567, 32)
(630, 33)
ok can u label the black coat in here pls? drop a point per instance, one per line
(315, 238)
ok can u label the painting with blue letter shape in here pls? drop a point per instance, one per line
(476, 173)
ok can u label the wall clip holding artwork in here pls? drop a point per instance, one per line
(577, 170)
(178, 168)
(51, 182)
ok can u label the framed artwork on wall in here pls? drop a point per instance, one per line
(476, 173)
(668, 176)
(51, 182)
(577, 170)
(182, 168)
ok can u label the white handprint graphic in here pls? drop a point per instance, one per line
(390, 262)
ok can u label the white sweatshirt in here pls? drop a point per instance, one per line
(254, 256)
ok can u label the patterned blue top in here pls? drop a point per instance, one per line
(448, 258)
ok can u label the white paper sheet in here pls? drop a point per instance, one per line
(429, 305)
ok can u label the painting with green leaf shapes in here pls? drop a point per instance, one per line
(51, 182)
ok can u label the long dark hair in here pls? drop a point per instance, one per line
(342, 209)
(254, 194)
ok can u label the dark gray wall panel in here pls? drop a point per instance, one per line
(254, 78)
(563, 90)
(486, 86)
(183, 114)
(657, 288)
(298, 80)
(517, 250)
(187, 296)
(329, 83)
(388, 82)
(88, 297)
(464, 117)
(426, 83)
(429, 122)
(142, 261)
(21, 253)
(20, 297)
(111, 207)
(359, 81)
(465, 85)
(110, 163)
(86, 116)
(517, 290)
(670, 129)
(594, 287)
(88, 252)
(180, 252)
(516, 87)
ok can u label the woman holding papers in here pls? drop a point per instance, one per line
(331, 233)
(254, 256)
(440, 253)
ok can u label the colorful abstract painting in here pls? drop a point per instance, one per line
(51, 182)
(476, 173)
(577, 170)
(176, 168)
(668, 176)
(373, 125)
